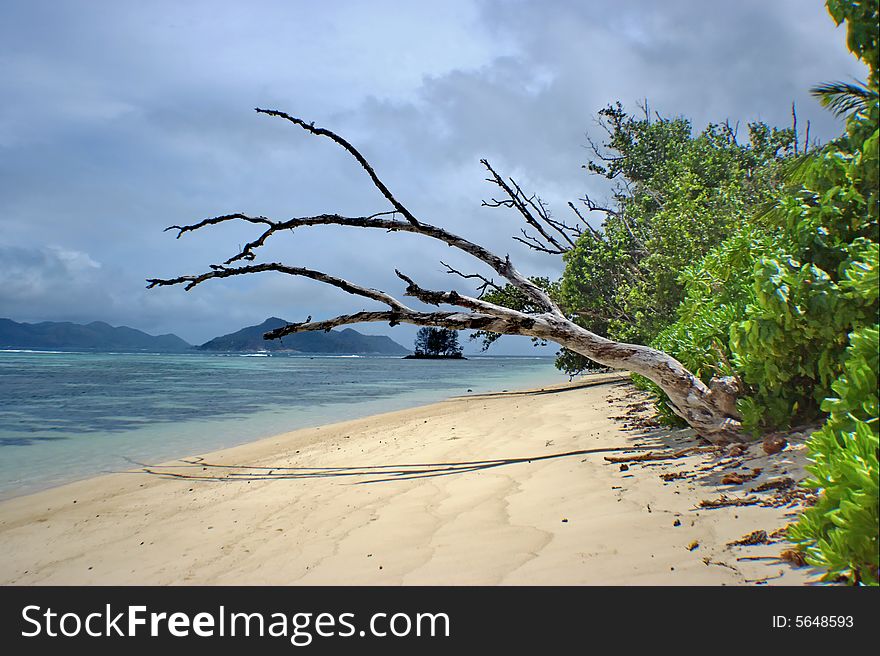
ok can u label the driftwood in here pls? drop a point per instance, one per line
(644, 457)
(725, 502)
(709, 409)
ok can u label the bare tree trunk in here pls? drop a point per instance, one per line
(709, 409)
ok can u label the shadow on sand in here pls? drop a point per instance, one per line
(201, 470)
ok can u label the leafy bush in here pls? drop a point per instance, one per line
(677, 195)
(789, 304)
(840, 532)
(717, 291)
(775, 303)
(814, 285)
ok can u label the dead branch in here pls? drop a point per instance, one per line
(598, 236)
(725, 502)
(322, 132)
(226, 272)
(454, 298)
(707, 409)
(518, 200)
(454, 320)
(502, 265)
(487, 283)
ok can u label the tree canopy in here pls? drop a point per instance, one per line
(437, 342)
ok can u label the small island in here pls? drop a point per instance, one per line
(436, 344)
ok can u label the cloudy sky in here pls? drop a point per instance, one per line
(121, 118)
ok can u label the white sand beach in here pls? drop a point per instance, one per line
(509, 488)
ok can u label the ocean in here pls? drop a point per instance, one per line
(67, 416)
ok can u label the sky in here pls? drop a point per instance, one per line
(120, 118)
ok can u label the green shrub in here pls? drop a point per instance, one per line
(840, 532)
(789, 304)
(814, 285)
(775, 303)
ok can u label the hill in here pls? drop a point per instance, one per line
(348, 341)
(95, 336)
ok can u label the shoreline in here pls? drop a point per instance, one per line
(585, 381)
(498, 488)
(78, 451)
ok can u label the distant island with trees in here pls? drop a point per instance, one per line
(436, 344)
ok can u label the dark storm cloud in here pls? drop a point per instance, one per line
(121, 118)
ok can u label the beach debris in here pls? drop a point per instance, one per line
(755, 537)
(694, 545)
(779, 533)
(677, 522)
(725, 501)
(785, 496)
(777, 484)
(651, 455)
(773, 444)
(624, 467)
(708, 561)
(796, 558)
(737, 478)
(674, 476)
(763, 580)
(565, 521)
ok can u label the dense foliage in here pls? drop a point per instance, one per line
(840, 532)
(774, 304)
(789, 305)
(435, 342)
(676, 196)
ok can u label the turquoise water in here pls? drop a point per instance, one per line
(66, 416)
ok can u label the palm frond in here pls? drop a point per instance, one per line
(843, 98)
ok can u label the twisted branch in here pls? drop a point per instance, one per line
(323, 132)
(454, 298)
(502, 265)
(709, 409)
(226, 272)
(454, 320)
(517, 199)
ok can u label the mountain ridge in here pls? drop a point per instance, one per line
(101, 336)
(347, 341)
(97, 335)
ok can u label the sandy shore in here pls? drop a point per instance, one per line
(493, 489)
